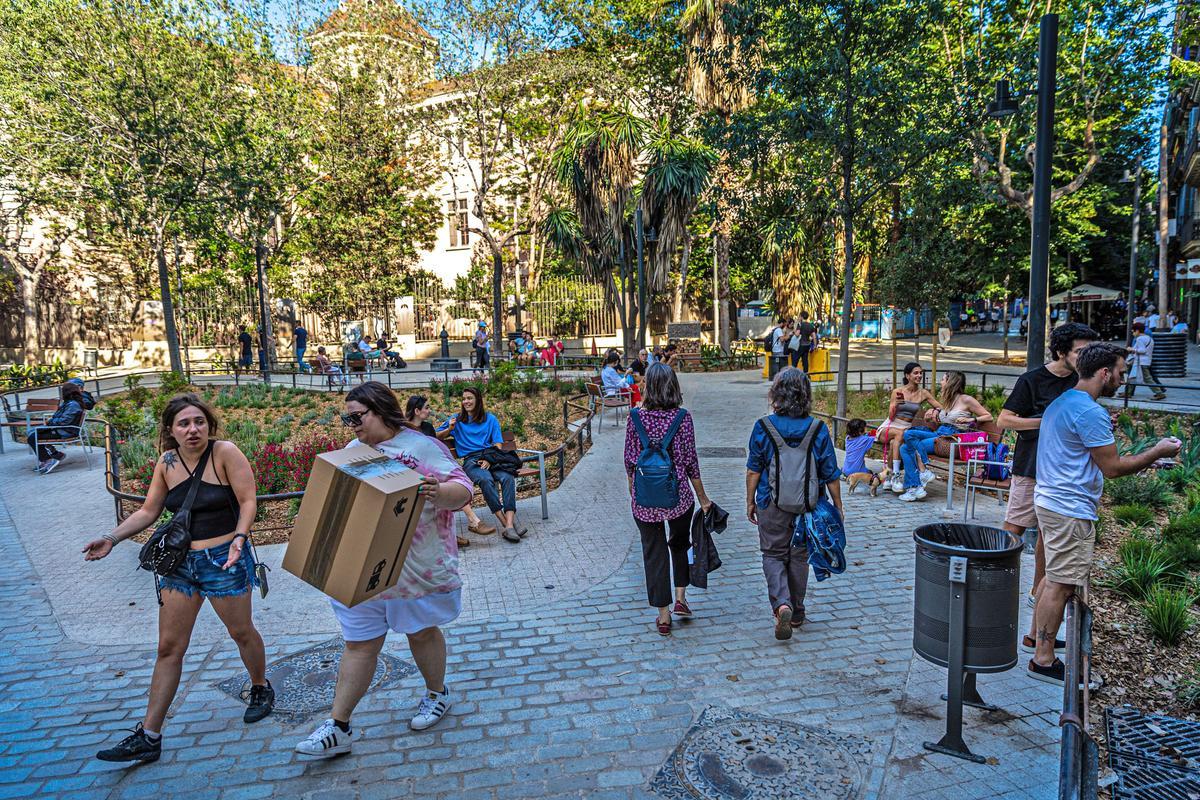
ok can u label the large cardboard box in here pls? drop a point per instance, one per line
(355, 525)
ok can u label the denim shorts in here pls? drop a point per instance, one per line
(201, 572)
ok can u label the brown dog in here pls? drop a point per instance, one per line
(872, 480)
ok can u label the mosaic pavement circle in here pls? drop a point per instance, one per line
(304, 681)
(734, 756)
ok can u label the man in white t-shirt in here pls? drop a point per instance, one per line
(1142, 361)
(1076, 452)
(1152, 320)
(1179, 327)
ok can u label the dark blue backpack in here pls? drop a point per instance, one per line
(655, 484)
(997, 451)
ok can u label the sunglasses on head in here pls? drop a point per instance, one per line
(353, 418)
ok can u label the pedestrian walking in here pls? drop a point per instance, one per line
(219, 567)
(1142, 363)
(779, 479)
(664, 484)
(428, 594)
(1076, 452)
(244, 343)
(300, 339)
(1031, 395)
(482, 346)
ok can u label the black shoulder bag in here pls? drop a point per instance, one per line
(166, 549)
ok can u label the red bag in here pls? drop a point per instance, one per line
(978, 450)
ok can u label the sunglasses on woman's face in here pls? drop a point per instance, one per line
(353, 419)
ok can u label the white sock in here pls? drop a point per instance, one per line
(895, 466)
(152, 735)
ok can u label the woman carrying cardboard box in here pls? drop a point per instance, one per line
(429, 591)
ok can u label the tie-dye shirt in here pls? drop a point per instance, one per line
(432, 563)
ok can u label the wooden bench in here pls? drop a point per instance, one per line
(509, 445)
(945, 465)
(15, 418)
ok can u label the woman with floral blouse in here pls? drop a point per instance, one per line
(666, 532)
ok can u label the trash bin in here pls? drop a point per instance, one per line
(1170, 354)
(778, 362)
(992, 579)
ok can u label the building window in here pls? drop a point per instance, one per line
(456, 212)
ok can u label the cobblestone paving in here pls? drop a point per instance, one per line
(560, 696)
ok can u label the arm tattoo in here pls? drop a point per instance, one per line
(169, 458)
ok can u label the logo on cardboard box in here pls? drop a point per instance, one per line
(376, 574)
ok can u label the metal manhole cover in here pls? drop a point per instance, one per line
(304, 681)
(728, 755)
(1153, 737)
(721, 452)
(1144, 780)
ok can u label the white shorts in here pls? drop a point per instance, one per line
(374, 618)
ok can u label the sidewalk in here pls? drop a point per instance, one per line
(565, 692)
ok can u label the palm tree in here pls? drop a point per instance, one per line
(713, 57)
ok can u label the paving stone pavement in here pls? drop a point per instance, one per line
(562, 695)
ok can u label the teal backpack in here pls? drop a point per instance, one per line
(655, 484)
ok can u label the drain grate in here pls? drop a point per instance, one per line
(1151, 737)
(304, 681)
(730, 755)
(1146, 780)
(721, 452)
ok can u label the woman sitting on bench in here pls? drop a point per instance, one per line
(477, 437)
(961, 413)
(906, 404)
(62, 425)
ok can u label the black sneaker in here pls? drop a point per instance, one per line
(136, 747)
(1055, 673)
(262, 701)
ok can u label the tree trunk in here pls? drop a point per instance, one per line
(677, 303)
(497, 313)
(29, 333)
(722, 245)
(168, 307)
(847, 214)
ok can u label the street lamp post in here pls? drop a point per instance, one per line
(1005, 105)
(1133, 248)
(641, 278)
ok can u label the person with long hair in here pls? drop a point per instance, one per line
(475, 429)
(219, 566)
(665, 532)
(428, 593)
(416, 416)
(905, 404)
(960, 412)
(63, 424)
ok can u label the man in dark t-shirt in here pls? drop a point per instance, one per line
(300, 338)
(806, 336)
(245, 341)
(1030, 396)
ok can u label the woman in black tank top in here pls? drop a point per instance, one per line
(220, 565)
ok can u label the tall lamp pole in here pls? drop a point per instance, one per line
(641, 278)
(1005, 105)
(264, 356)
(1133, 249)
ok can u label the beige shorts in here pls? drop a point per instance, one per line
(1069, 544)
(1020, 502)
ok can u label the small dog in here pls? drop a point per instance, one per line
(872, 480)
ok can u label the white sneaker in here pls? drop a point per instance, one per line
(926, 477)
(897, 484)
(915, 493)
(432, 708)
(326, 740)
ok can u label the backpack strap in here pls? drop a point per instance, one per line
(776, 439)
(639, 428)
(812, 489)
(669, 436)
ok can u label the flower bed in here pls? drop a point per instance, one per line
(1146, 578)
(282, 430)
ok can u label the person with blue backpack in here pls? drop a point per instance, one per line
(791, 471)
(663, 472)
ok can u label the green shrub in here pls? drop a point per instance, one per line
(1181, 478)
(544, 429)
(1133, 514)
(516, 423)
(1168, 611)
(1184, 526)
(173, 383)
(1191, 499)
(1142, 566)
(1138, 490)
(1183, 551)
(1187, 693)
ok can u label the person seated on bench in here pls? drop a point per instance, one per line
(616, 380)
(87, 400)
(477, 436)
(61, 425)
(961, 412)
(383, 347)
(416, 416)
(906, 403)
(549, 353)
(329, 368)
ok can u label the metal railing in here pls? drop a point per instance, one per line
(1079, 757)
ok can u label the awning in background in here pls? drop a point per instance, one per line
(1085, 293)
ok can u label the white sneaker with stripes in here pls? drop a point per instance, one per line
(326, 740)
(434, 706)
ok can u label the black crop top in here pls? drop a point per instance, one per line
(214, 511)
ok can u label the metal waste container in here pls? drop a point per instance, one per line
(777, 362)
(991, 578)
(1170, 354)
